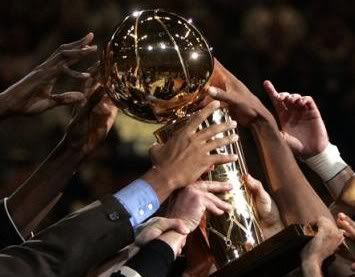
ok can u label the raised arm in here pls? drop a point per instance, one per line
(297, 201)
(34, 92)
(27, 205)
(304, 130)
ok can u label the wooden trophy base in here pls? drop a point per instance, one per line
(274, 257)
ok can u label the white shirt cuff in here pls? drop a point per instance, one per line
(12, 222)
(328, 163)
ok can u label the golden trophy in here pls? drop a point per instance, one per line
(155, 68)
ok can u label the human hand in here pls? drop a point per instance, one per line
(93, 120)
(268, 212)
(324, 244)
(191, 202)
(244, 106)
(301, 122)
(33, 93)
(156, 226)
(186, 155)
(348, 226)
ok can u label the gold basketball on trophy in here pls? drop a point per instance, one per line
(155, 68)
(156, 65)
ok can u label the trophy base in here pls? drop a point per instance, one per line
(274, 257)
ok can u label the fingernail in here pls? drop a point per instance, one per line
(212, 91)
(89, 48)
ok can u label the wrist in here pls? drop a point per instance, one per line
(175, 240)
(161, 181)
(311, 266)
(328, 163)
(266, 125)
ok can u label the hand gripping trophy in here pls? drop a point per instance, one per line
(155, 68)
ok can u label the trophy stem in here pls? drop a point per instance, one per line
(233, 234)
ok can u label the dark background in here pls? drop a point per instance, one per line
(302, 46)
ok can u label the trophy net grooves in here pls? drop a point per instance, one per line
(231, 234)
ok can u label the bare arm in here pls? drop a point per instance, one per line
(304, 131)
(297, 201)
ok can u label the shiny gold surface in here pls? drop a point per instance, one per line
(232, 234)
(155, 66)
(154, 69)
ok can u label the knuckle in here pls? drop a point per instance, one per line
(190, 190)
(199, 117)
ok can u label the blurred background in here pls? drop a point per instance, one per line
(302, 46)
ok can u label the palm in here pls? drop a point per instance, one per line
(305, 128)
(34, 93)
(92, 123)
(300, 121)
(40, 101)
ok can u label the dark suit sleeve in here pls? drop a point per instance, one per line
(155, 259)
(9, 235)
(73, 245)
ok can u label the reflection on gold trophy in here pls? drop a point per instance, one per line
(154, 68)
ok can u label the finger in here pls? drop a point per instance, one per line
(349, 230)
(216, 143)
(89, 106)
(271, 92)
(216, 159)
(212, 208)
(346, 218)
(78, 53)
(178, 225)
(252, 183)
(68, 57)
(220, 94)
(79, 43)
(214, 187)
(257, 189)
(309, 102)
(94, 69)
(295, 145)
(75, 74)
(299, 103)
(201, 116)
(282, 96)
(291, 99)
(208, 133)
(69, 97)
(219, 203)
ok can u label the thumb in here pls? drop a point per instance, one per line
(153, 152)
(219, 94)
(254, 185)
(295, 145)
(257, 189)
